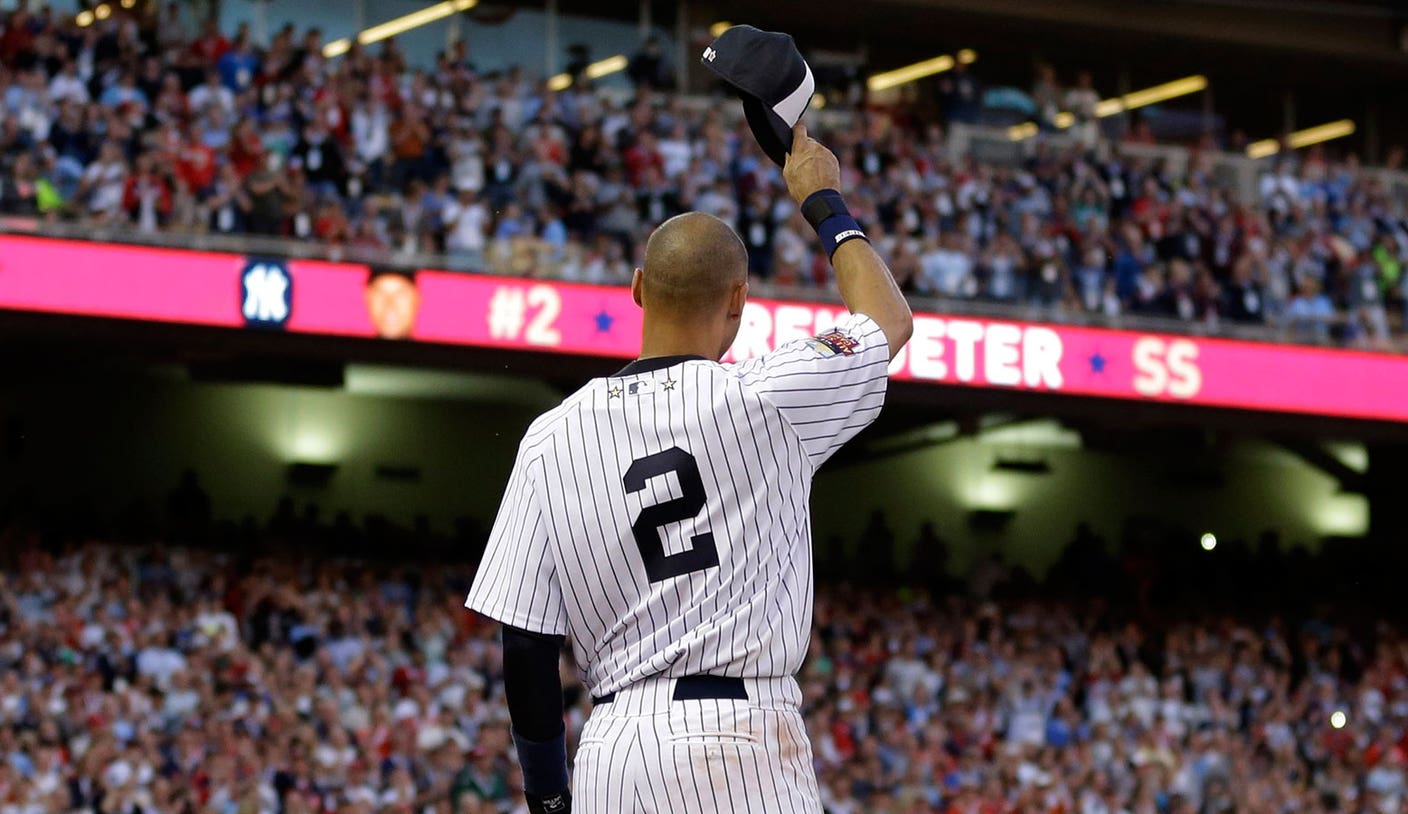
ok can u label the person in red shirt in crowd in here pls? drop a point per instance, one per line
(382, 85)
(17, 38)
(195, 164)
(410, 139)
(642, 155)
(331, 225)
(146, 196)
(329, 111)
(246, 148)
(211, 44)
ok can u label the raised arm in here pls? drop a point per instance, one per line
(867, 286)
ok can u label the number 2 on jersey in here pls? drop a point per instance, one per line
(702, 553)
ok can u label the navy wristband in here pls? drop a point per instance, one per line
(836, 230)
(827, 213)
(821, 205)
(544, 764)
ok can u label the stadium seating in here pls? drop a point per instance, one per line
(188, 678)
(165, 131)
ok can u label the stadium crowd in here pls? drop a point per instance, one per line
(151, 124)
(253, 673)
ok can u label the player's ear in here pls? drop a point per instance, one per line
(636, 280)
(737, 299)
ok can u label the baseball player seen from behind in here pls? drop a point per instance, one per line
(659, 517)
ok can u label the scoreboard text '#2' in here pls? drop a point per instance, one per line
(346, 299)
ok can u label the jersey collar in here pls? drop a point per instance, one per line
(656, 363)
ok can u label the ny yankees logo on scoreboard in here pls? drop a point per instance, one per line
(266, 293)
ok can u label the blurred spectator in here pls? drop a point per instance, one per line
(104, 182)
(960, 94)
(1309, 313)
(651, 68)
(1046, 95)
(1081, 102)
(29, 192)
(466, 224)
(146, 195)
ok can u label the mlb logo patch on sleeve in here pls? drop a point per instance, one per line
(834, 343)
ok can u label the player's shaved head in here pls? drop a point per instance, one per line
(692, 263)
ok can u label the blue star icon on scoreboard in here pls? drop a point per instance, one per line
(603, 321)
(1098, 362)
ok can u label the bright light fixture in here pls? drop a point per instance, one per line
(1152, 96)
(967, 56)
(400, 25)
(1208, 541)
(103, 11)
(1119, 104)
(1322, 133)
(1018, 132)
(596, 70)
(610, 65)
(718, 28)
(1302, 138)
(84, 19)
(1262, 149)
(909, 73)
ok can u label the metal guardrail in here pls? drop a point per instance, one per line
(502, 263)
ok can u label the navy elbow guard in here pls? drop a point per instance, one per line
(827, 213)
(544, 765)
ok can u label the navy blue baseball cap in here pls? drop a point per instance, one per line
(768, 73)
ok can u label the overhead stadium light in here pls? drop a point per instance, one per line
(1119, 104)
(720, 27)
(1302, 138)
(1018, 132)
(919, 70)
(103, 11)
(84, 19)
(400, 25)
(596, 70)
(1264, 148)
(1152, 96)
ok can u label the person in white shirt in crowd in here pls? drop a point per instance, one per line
(102, 183)
(1081, 101)
(676, 151)
(466, 222)
(1278, 188)
(67, 85)
(946, 267)
(211, 92)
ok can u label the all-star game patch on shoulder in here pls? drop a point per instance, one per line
(834, 343)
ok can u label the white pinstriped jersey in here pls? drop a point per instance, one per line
(660, 517)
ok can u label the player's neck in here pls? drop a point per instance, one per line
(677, 340)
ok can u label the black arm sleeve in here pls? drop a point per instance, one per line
(532, 684)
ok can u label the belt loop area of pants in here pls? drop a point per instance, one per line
(696, 688)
